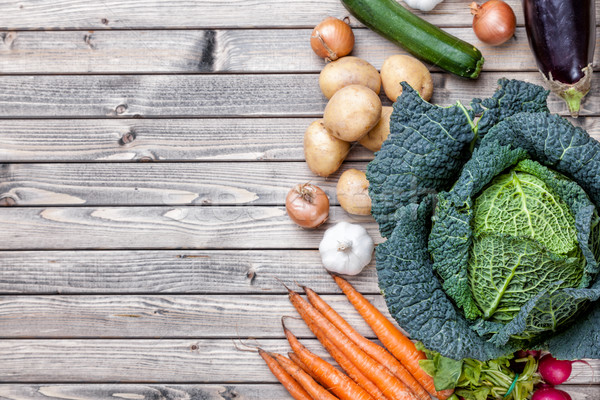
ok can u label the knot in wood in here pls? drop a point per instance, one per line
(7, 201)
(251, 275)
(121, 108)
(127, 138)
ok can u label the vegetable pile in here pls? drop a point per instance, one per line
(371, 372)
(400, 369)
(493, 236)
(354, 113)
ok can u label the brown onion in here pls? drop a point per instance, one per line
(307, 205)
(332, 39)
(493, 22)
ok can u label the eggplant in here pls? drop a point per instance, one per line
(562, 37)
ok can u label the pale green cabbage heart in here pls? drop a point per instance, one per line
(524, 243)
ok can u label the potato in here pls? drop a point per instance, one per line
(398, 68)
(376, 136)
(323, 152)
(352, 112)
(353, 192)
(348, 71)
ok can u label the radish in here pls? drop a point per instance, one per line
(524, 353)
(518, 366)
(550, 393)
(555, 371)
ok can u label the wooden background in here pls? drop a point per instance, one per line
(146, 148)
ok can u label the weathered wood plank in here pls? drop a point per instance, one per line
(140, 360)
(112, 391)
(160, 95)
(199, 391)
(179, 227)
(154, 184)
(285, 95)
(237, 51)
(169, 271)
(78, 14)
(158, 360)
(119, 140)
(235, 139)
(153, 316)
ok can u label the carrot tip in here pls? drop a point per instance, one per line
(285, 329)
(303, 287)
(334, 275)
(283, 284)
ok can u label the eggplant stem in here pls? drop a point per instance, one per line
(573, 93)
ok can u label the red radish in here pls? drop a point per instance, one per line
(555, 371)
(519, 366)
(524, 353)
(550, 393)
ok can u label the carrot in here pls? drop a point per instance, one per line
(377, 352)
(294, 357)
(352, 371)
(293, 387)
(316, 391)
(391, 337)
(342, 386)
(391, 386)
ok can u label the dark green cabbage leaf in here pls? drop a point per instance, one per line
(429, 144)
(431, 300)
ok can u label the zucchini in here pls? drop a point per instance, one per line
(417, 36)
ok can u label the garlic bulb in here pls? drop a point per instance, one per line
(423, 5)
(346, 248)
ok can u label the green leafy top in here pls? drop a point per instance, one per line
(478, 380)
(436, 271)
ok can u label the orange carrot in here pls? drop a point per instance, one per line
(342, 386)
(316, 391)
(293, 387)
(391, 386)
(377, 352)
(391, 337)
(351, 369)
(294, 357)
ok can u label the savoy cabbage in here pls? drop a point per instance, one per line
(492, 228)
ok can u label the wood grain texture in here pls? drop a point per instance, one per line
(180, 392)
(237, 139)
(214, 51)
(284, 95)
(242, 183)
(157, 360)
(231, 272)
(163, 316)
(117, 391)
(178, 227)
(139, 14)
(139, 360)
